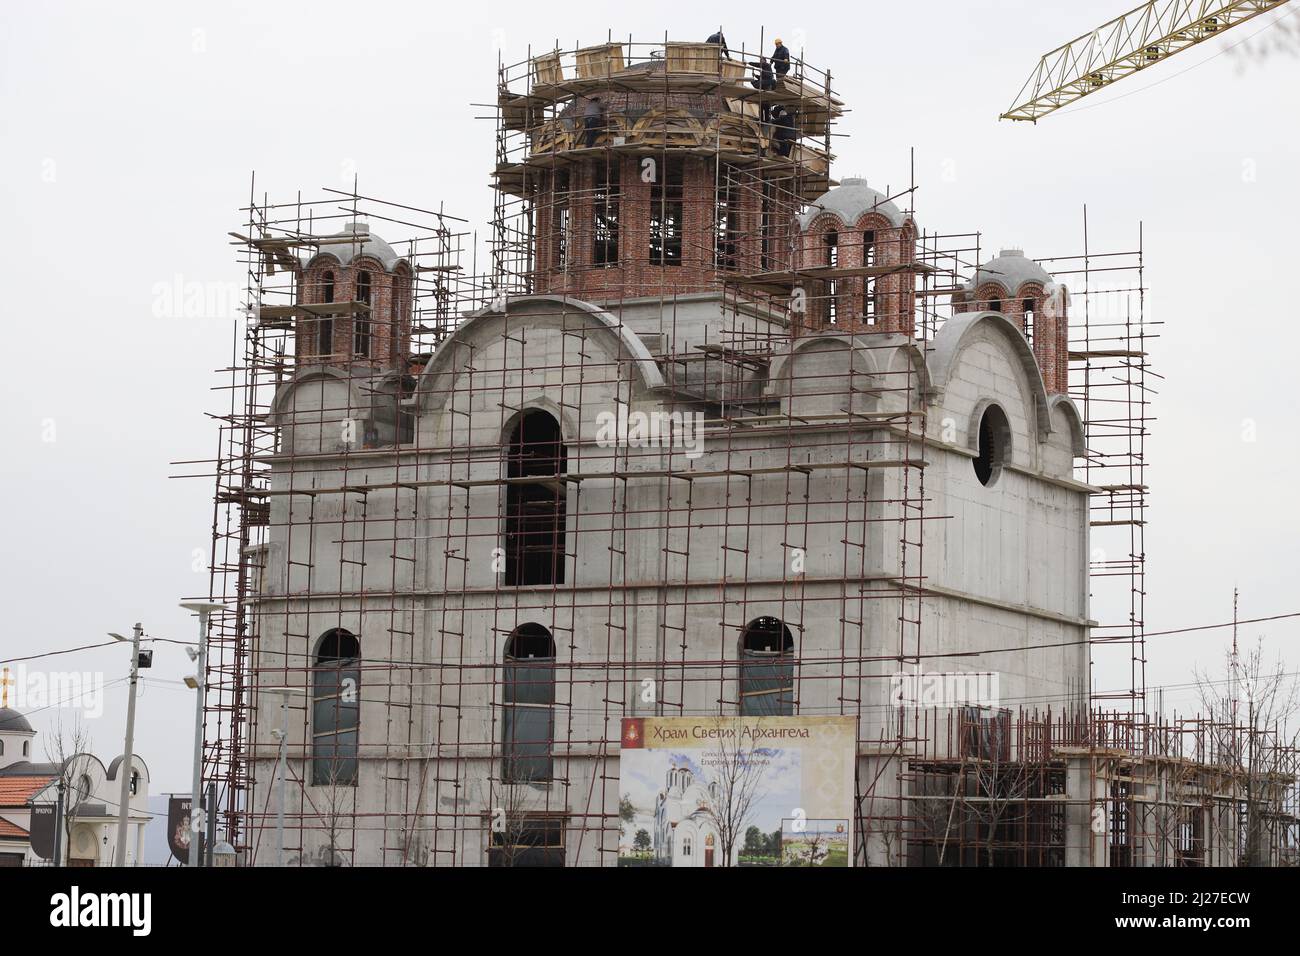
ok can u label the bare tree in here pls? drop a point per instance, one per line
(999, 783)
(62, 748)
(338, 802)
(1254, 710)
(514, 819)
(733, 784)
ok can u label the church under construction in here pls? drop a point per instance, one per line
(704, 431)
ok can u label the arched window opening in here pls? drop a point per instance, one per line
(667, 197)
(336, 709)
(994, 445)
(767, 669)
(995, 305)
(395, 317)
(324, 324)
(832, 243)
(27, 749)
(1027, 307)
(606, 207)
(869, 248)
(361, 327)
(535, 511)
(560, 217)
(528, 715)
(726, 222)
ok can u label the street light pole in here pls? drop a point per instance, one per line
(281, 735)
(203, 609)
(124, 771)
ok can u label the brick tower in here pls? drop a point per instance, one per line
(1023, 291)
(354, 303)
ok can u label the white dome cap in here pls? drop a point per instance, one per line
(1010, 270)
(849, 200)
(366, 244)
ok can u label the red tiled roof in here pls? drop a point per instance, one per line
(8, 829)
(16, 791)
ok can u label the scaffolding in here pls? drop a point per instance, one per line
(341, 503)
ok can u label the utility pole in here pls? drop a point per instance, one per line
(197, 814)
(58, 825)
(124, 797)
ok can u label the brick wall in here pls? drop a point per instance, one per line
(634, 274)
(884, 303)
(390, 331)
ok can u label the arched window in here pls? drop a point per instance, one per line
(336, 709)
(528, 718)
(324, 324)
(394, 317)
(995, 305)
(993, 444)
(2, 748)
(832, 243)
(1027, 307)
(535, 512)
(135, 782)
(27, 748)
(361, 326)
(766, 669)
(606, 207)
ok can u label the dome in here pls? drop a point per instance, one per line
(1011, 269)
(849, 200)
(12, 722)
(365, 243)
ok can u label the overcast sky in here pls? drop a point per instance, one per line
(128, 133)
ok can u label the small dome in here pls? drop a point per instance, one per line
(12, 722)
(365, 243)
(1010, 270)
(849, 200)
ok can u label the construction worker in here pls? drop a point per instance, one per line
(781, 57)
(763, 80)
(784, 136)
(721, 41)
(593, 118)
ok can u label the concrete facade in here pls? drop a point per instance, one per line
(399, 544)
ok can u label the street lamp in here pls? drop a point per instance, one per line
(199, 682)
(123, 804)
(281, 735)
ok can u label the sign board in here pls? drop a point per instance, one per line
(44, 822)
(737, 791)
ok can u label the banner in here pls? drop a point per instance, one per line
(178, 826)
(44, 823)
(737, 791)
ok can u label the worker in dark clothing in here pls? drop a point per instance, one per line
(781, 57)
(593, 119)
(721, 41)
(784, 135)
(763, 80)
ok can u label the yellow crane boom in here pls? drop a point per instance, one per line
(1140, 38)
